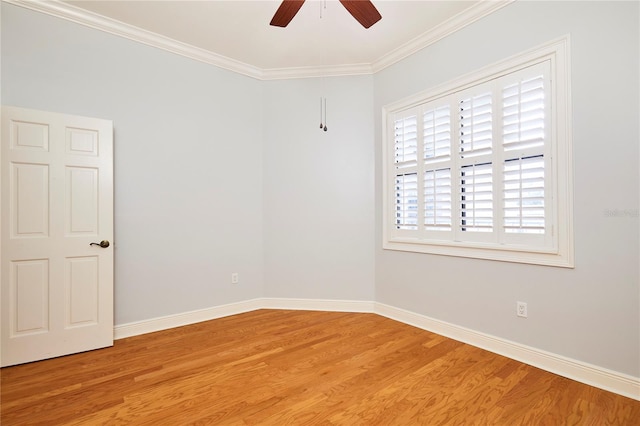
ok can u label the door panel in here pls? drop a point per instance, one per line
(82, 290)
(30, 136)
(82, 142)
(82, 201)
(30, 200)
(30, 291)
(57, 198)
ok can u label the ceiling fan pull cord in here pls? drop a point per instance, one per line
(325, 114)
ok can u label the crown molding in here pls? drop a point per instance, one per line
(466, 17)
(84, 17)
(323, 71)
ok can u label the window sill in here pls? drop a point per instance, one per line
(513, 254)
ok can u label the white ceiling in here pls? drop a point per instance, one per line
(239, 31)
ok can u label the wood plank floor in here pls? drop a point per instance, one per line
(273, 367)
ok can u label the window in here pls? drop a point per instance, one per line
(481, 167)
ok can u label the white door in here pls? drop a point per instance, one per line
(57, 200)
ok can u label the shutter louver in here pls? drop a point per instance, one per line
(523, 107)
(524, 208)
(437, 196)
(406, 142)
(437, 134)
(406, 201)
(476, 198)
(475, 126)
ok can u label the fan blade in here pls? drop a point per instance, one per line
(363, 10)
(286, 12)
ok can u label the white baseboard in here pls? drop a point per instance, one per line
(592, 375)
(185, 318)
(192, 317)
(319, 305)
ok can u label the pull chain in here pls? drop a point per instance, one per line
(323, 114)
(323, 100)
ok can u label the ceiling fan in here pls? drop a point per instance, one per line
(362, 10)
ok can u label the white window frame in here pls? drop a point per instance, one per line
(557, 247)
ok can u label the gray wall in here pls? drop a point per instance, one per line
(188, 158)
(590, 313)
(198, 170)
(318, 189)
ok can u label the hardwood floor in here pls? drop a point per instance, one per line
(272, 367)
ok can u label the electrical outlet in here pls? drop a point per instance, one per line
(521, 309)
(234, 278)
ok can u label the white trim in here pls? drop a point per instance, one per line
(84, 17)
(185, 318)
(193, 317)
(308, 72)
(579, 371)
(319, 305)
(93, 20)
(466, 17)
(589, 374)
(483, 251)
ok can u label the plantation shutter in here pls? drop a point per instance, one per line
(475, 149)
(406, 177)
(524, 206)
(437, 196)
(437, 134)
(475, 125)
(523, 114)
(476, 198)
(480, 167)
(406, 141)
(406, 197)
(437, 166)
(524, 141)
